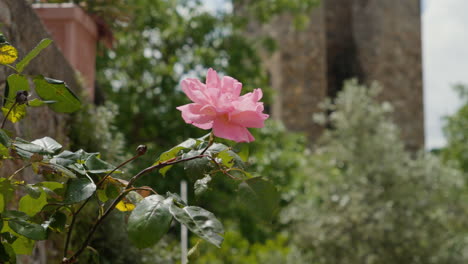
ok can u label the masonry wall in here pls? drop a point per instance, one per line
(24, 30)
(372, 40)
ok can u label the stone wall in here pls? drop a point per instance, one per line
(372, 40)
(24, 30)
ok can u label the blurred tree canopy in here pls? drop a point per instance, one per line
(367, 200)
(166, 41)
(456, 132)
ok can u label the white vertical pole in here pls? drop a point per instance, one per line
(183, 229)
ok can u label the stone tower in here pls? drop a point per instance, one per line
(373, 40)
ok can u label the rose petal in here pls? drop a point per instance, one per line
(193, 88)
(232, 86)
(224, 129)
(192, 114)
(249, 119)
(212, 79)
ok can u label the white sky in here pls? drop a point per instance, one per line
(445, 59)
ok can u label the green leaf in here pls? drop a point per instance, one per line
(260, 197)
(14, 84)
(30, 230)
(52, 169)
(33, 191)
(196, 167)
(6, 193)
(174, 152)
(176, 198)
(23, 246)
(201, 185)
(54, 90)
(32, 206)
(48, 144)
(4, 138)
(95, 165)
(7, 254)
(57, 221)
(32, 54)
(149, 221)
(36, 102)
(79, 190)
(199, 221)
(15, 215)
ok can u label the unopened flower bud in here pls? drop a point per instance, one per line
(22, 97)
(142, 149)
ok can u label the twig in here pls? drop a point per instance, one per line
(129, 188)
(210, 142)
(18, 171)
(9, 111)
(67, 241)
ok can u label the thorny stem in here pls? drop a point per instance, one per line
(6, 116)
(129, 188)
(70, 228)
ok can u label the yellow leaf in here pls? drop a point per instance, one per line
(8, 54)
(124, 206)
(17, 113)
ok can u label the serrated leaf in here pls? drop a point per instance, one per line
(54, 90)
(199, 221)
(8, 54)
(32, 54)
(79, 190)
(149, 221)
(260, 197)
(201, 185)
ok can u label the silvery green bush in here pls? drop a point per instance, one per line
(367, 200)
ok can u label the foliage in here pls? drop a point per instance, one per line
(456, 133)
(239, 250)
(68, 181)
(265, 10)
(93, 128)
(367, 200)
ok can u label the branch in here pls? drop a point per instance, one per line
(141, 150)
(129, 188)
(9, 111)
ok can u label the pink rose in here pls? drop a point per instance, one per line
(218, 105)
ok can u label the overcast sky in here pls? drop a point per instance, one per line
(445, 59)
(445, 46)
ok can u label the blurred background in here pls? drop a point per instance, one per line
(367, 143)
